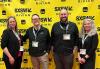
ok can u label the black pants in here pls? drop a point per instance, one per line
(89, 64)
(16, 65)
(63, 61)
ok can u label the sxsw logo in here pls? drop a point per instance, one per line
(23, 10)
(3, 21)
(98, 6)
(3, 12)
(70, 8)
(81, 1)
(63, 0)
(42, 11)
(5, 0)
(48, 19)
(25, 60)
(79, 18)
(22, 30)
(98, 50)
(85, 9)
(1, 59)
(41, 2)
(98, 28)
(22, 1)
(23, 22)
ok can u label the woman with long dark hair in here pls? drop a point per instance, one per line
(11, 44)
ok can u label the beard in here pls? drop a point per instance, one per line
(64, 19)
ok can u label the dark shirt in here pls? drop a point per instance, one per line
(64, 46)
(43, 39)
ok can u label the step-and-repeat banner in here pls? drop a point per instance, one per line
(49, 13)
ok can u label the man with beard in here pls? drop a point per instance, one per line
(64, 37)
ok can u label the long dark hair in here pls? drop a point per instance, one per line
(16, 29)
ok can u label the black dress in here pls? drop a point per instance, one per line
(90, 44)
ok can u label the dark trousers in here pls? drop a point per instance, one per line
(16, 65)
(63, 61)
(89, 64)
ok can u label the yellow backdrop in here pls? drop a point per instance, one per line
(48, 11)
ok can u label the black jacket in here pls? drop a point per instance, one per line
(64, 46)
(43, 38)
(90, 45)
(10, 41)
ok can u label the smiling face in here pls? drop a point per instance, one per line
(87, 26)
(36, 20)
(12, 23)
(63, 15)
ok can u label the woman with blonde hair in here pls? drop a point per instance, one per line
(88, 43)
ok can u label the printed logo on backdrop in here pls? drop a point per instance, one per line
(84, 1)
(23, 11)
(79, 19)
(3, 22)
(85, 9)
(23, 22)
(98, 28)
(63, 0)
(68, 8)
(98, 6)
(3, 12)
(46, 21)
(22, 30)
(41, 2)
(98, 50)
(5, 2)
(22, 1)
(1, 61)
(42, 11)
(26, 67)
(97, 68)
(25, 60)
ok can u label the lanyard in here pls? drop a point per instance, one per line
(35, 34)
(63, 27)
(83, 39)
(16, 34)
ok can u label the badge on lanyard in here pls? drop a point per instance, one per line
(21, 48)
(66, 36)
(34, 44)
(83, 51)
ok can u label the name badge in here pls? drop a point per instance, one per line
(83, 51)
(21, 48)
(34, 44)
(66, 36)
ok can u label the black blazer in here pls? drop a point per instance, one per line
(10, 41)
(90, 44)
